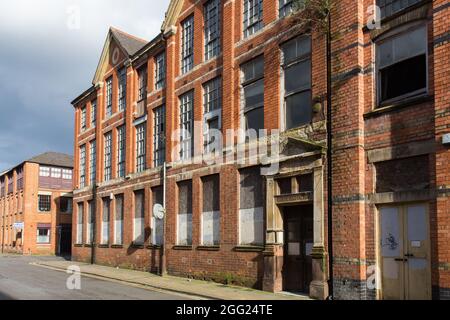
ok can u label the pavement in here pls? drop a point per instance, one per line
(194, 289)
(20, 280)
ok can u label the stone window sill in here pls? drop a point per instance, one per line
(154, 246)
(75, 245)
(137, 246)
(208, 248)
(186, 248)
(117, 246)
(249, 248)
(103, 246)
(87, 246)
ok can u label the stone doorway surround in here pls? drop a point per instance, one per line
(297, 157)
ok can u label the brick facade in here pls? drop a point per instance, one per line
(21, 205)
(370, 140)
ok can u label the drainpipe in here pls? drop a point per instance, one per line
(163, 258)
(94, 231)
(329, 161)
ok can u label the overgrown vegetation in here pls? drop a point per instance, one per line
(315, 13)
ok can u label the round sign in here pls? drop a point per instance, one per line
(158, 211)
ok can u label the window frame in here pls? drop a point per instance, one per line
(83, 166)
(251, 27)
(93, 161)
(295, 62)
(160, 70)
(80, 223)
(122, 89)
(245, 83)
(390, 36)
(142, 82)
(212, 45)
(121, 151)
(48, 235)
(41, 209)
(159, 143)
(141, 148)
(93, 112)
(210, 114)
(187, 44)
(107, 171)
(109, 97)
(186, 108)
(286, 9)
(83, 125)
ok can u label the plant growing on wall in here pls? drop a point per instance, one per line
(315, 13)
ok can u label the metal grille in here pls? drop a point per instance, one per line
(186, 125)
(108, 156)
(390, 7)
(160, 72)
(93, 161)
(212, 15)
(83, 166)
(253, 13)
(121, 151)
(122, 89)
(109, 97)
(187, 50)
(140, 147)
(159, 145)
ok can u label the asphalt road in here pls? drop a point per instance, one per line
(21, 281)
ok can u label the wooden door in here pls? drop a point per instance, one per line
(297, 266)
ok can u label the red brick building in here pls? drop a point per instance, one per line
(229, 66)
(36, 206)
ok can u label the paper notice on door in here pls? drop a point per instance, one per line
(294, 248)
(416, 244)
(390, 269)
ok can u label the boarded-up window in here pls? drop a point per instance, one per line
(80, 223)
(306, 183)
(139, 214)
(185, 213)
(157, 224)
(118, 221)
(403, 174)
(105, 220)
(211, 211)
(251, 213)
(90, 223)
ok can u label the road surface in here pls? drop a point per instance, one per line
(21, 281)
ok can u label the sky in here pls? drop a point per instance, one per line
(49, 51)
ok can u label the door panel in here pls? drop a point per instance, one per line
(391, 253)
(404, 240)
(417, 253)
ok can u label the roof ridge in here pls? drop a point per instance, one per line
(129, 35)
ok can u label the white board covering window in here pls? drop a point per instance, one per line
(157, 224)
(211, 211)
(105, 220)
(251, 213)
(118, 221)
(184, 213)
(80, 219)
(139, 215)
